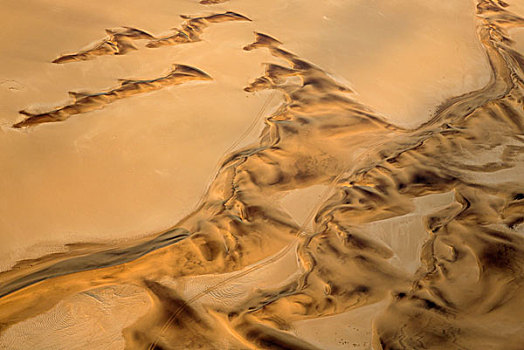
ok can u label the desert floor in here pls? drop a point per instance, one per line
(251, 174)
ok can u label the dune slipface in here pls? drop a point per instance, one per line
(120, 41)
(334, 228)
(85, 102)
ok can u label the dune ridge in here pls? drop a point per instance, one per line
(86, 102)
(120, 41)
(468, 290)
(212, 2)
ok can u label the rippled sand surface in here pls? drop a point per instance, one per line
(254, 174)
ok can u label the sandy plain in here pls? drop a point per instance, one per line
(279, 174)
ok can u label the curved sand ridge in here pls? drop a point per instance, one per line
(467, 292)
(86, 102)
(120, 41)
(212, 2)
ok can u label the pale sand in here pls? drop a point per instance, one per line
(88, 320)
(403, 58)
(301, 214)
(77, 182)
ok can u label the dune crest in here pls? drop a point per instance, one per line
(193, 27)
(120, 41)
(240, 272)
(212, 2)
(86, 102)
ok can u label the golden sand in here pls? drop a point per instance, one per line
(348, 176)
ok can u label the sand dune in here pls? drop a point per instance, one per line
(85, 102)
(212, 2)
(193, 27)
(120, 42)
(414, 239)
